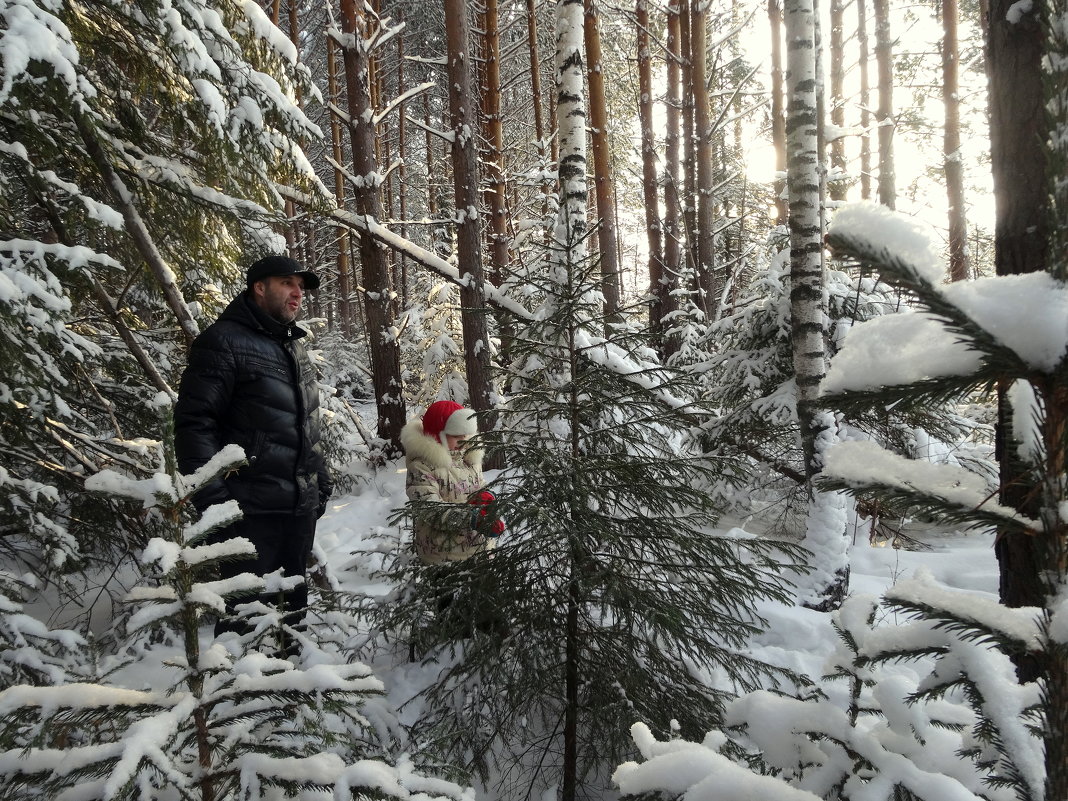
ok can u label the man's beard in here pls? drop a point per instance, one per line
(278, 311)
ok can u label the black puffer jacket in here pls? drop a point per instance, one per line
(249, 381)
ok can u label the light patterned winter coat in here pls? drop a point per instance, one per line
(439, 483)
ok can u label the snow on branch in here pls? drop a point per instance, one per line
(867, 465)
(229, 457)
(895, 350)
(1020, 624)
(998, 305)
(891, 239)
(698, 772)
(448, 136)
(75, 696)
(400, 99)
(147, 490)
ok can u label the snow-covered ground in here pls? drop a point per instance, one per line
(356, 534)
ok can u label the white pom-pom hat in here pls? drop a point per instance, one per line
(448, 418)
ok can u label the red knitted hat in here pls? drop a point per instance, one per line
(448, 417)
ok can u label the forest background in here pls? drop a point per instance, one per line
(607, 230)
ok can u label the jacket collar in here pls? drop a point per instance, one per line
(418, 445)
(243, 310)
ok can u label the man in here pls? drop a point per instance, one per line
(249, 382)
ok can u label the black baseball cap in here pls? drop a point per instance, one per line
(279, 265)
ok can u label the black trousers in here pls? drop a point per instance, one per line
(282, 541)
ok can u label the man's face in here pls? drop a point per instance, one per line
(280, 296)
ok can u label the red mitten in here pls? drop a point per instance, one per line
(498, 527)
(481, 498)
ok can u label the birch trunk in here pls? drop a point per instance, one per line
(569, 253)
(825, 532)
(806, 265)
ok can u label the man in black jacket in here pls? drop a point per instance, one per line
(249, 382)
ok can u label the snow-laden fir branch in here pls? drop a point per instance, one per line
(935, 486)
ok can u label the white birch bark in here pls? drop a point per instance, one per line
(569, 234)
(825, 529)
(802, 173)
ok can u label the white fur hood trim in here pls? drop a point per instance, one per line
(419, 446)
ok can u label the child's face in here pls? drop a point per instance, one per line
(455, 442)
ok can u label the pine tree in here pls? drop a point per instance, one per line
(141, 145)
(954, 723)
(987, 352)
(967, 727)
(747, 373)
(30, 652)
(225, 720)
(610, 597)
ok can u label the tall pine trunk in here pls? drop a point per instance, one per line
(702, 124)
(650, 195)
(865, 100)
(402, 169)
(540, 134)
(464, 122)
(688, 197)
(673, 246)
(602, 167)
(1055, 401)
(496, 184)
(1018, 162)
(837, 185)
(378, 291)
(884, 115)
(496, 192)
(344, 283)
(959, 267)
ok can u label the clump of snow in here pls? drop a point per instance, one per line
(147, 490)
(999, 305)
(678, 767)
(883, 229)
(895, 350)
(1026, 422)
(867, 464)
(1019, 623)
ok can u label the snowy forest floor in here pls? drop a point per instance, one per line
(356, 535)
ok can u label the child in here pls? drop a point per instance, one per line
(444, 480)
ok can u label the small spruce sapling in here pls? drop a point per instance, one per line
(185, 721)
(612, 596)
